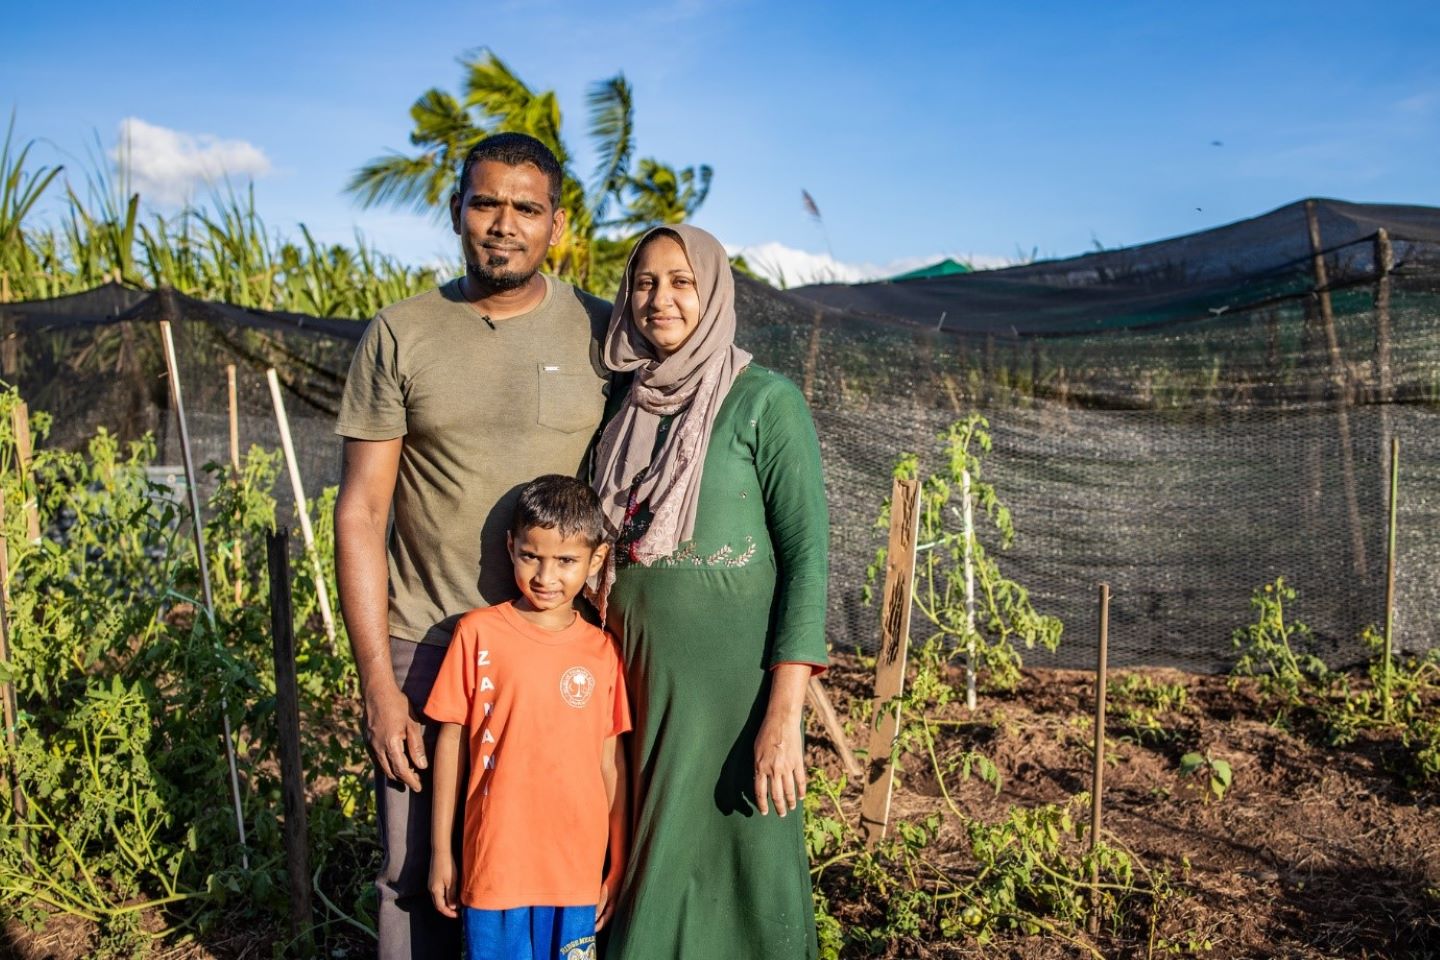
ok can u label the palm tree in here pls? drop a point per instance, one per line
(495, 100)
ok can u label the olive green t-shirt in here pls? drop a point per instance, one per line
(482, 412)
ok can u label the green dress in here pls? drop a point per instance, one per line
(708, 877)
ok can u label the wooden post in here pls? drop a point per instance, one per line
(7, 689)
(167, 310)
(287, 719)
(1390, 571)
(322, 593)
(890, 663)
(968, 520)
(1342, 398)
(825, 711)
(238, 559)
(20, 421)
(1097, 785)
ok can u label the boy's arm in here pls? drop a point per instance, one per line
(617, 791)
(450, 762)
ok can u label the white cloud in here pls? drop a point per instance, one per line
(165, 166)
(789, 267)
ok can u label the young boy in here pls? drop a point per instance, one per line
(532, 697)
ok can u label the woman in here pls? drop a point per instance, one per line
(710, 473)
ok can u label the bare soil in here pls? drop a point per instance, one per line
(1316, 851)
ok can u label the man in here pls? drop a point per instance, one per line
(455, 399)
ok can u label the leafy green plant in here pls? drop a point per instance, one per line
(1275, 650)
(120, 678)
(1216, 773)
(1004, 619)
(1139, 704)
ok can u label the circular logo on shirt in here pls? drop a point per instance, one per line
(576, 685)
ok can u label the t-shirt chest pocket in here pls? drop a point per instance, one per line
(569, 397)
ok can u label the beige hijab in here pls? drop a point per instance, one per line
(690, 383)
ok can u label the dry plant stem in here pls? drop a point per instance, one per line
(341, 914)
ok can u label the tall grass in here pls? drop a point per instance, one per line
(221, 251)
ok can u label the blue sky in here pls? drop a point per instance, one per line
(920, 129)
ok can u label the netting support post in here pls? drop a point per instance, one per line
(891, 657)
(1097, 786)
(322, 592)
(287, 720)
(172, 367)
(1384, 264)
(1342, 398)
(968, 519)
(1390, 573)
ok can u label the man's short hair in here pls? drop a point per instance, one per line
(555, 501)
(514, 149)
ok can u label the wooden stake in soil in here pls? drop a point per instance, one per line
(1342, 393)
(825, 711)
(167, 309)
(1097, 786)
(1390, 572)
(287, 719)
(322, 593)
(968, 519)
(890, 662)
(235, 471)
(20, 420)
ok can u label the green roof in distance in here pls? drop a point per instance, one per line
(945, 268)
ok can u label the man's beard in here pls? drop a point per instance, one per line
(495, 277)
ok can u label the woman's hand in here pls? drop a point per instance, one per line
(780, 745)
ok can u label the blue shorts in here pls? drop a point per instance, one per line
(530, 933)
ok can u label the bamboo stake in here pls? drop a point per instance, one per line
(968, 516)
(1390, 571)
(322, 593)
(238, 559)
(1337, 372)
(825, 710)
(1097, 786)
(20, 420)
(173, 368)
(890, 663)
(812, 357)
(287, 719)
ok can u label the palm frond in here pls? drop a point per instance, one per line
(612, 128)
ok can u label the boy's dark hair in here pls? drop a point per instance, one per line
(559, 502)
(514, 149)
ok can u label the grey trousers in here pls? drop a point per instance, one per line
(410, 926)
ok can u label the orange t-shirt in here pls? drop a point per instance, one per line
(537, 708)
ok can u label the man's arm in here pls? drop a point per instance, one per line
(362, 510)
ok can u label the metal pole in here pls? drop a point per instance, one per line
(198, 526)
(1390, 573)
(1098, 785)
(969, 523)
(322, 593)
(235, 472)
